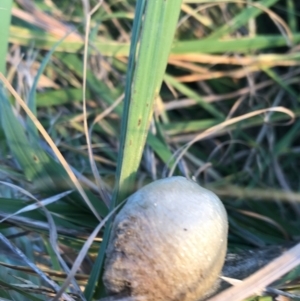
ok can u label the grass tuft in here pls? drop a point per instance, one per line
(100, 98)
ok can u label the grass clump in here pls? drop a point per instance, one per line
(225, 113)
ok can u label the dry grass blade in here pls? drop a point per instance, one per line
(179, 154)
(267, 220)
(261, 279)
(229, 62)
(19, 253)
(100, 184)
(256, 194)
(247, 60)
(55, 274)
(183, 103)
(43, 226)
(51, 144)
(39, 204)
(83, 253)
(51, 225)
(44, 21)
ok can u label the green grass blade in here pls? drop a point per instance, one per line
(5, 16)
(156, 41)
(16, 139)
(241, 19)
(242, 45)
(272, 74)
(292, 15)
(184, 89)
(97, 270)
(144, 79)
(31, 128)
(26, 296)
(47, 175)
(23, 36)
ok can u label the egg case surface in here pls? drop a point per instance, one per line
(167, 243)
